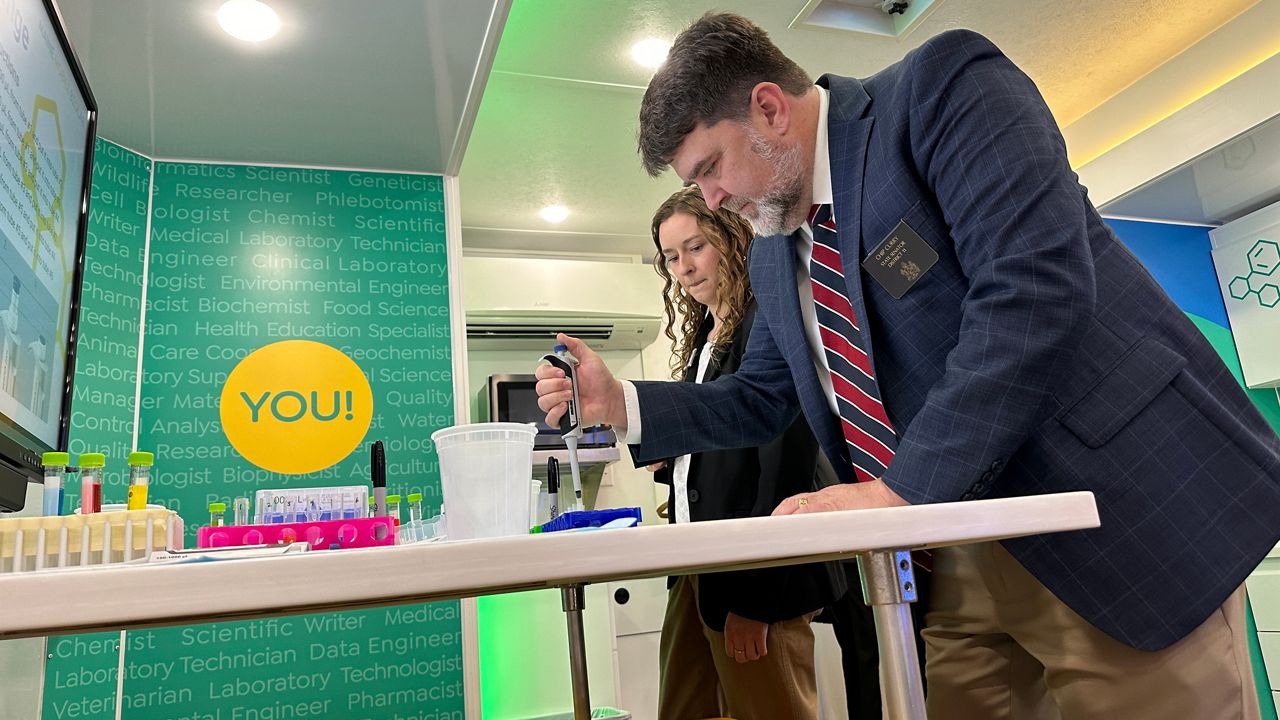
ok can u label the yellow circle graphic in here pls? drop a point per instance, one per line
(296, 406)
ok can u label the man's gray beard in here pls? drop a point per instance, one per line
(777, 213)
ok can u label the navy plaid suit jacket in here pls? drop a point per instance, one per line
(1036, 356)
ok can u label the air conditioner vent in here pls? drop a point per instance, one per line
(485, 331)
(520, 303)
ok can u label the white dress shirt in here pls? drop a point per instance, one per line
(680, 470)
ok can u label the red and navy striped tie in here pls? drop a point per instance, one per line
(867, 431)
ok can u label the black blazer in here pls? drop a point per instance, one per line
(751, 482)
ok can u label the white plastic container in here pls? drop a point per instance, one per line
(485, 471)
(535, 495)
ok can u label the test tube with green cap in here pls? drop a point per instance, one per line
(91, 465)
(415, 517)
(217, 514)
(55, 476)
(415, 507)
(139, 478)
(393, 509)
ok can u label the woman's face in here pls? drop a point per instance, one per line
(691, 259)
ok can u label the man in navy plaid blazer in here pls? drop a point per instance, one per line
(1034, 355)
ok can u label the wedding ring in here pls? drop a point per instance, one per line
(802, 501)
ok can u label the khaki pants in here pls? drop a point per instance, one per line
(1000, 646)
(698, 680)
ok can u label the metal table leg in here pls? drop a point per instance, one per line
(572, 601)
(888, 586)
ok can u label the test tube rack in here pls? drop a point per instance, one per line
(42, 542)
(321, 534)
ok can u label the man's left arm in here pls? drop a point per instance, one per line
(986, 144)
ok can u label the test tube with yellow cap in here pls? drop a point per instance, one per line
(217, 514)
(139, 478)
(91, 465)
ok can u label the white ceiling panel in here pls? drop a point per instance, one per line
(558, 120)
(348, 83)
(385, 84)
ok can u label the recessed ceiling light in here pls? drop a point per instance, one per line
(554, 213)
(248, 20)
(650, 53)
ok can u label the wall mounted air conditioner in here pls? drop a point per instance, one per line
(521, 303)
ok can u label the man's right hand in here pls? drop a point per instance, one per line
(599, 391)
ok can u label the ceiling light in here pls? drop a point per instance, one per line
(248, 20)
(554, 213)
(650, 53)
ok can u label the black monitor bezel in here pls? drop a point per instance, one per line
(20, 450)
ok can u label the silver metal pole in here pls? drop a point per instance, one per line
(889, 586)
(572, 601)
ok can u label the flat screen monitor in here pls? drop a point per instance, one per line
(47, 127)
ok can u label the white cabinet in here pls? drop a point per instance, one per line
(638, 626)
(1263, 586)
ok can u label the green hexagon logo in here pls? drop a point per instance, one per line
(1269, 295)
(1256, 281)
(1239, 287)
(1264, 257)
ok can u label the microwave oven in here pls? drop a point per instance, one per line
(514, 398)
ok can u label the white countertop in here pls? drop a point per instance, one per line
(147, 596)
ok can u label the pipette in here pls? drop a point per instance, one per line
(570, 422)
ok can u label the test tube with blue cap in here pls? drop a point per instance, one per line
(570, 421)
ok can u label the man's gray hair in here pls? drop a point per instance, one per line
(708, 77)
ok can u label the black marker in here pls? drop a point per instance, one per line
(378, 475)
(553, 487)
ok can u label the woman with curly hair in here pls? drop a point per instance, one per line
(733, 644)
